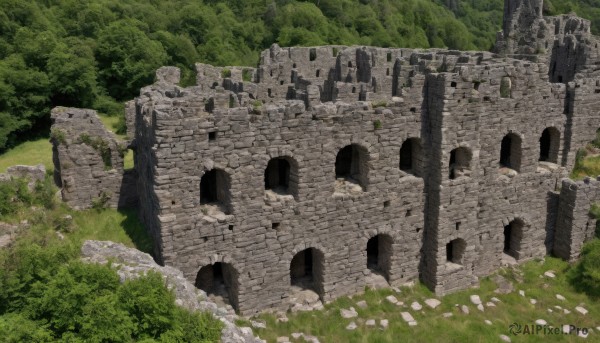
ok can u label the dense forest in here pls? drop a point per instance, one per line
(98, 53)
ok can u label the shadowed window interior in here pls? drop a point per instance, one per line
(410, 156)
(510, 152)
(455, 250)
(460, 163)
(549, 145)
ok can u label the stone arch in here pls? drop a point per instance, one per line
(379, 254)
(351, 165)
(411, 156)
(215, 189)
(460, 163)
(455, 251)
(281, 175)
(513, 238)
(549, 145)
(307, 270)
(511, 151)
(220, 279)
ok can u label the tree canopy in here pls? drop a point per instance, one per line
(98, 53)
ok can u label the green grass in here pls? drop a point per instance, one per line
(588, 166)
(28, 153)
(111, 123)
(121, 226)
(329, 326)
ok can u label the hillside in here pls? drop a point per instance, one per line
(97, 54)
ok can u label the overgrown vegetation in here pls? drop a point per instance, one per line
(97, 54)
(101, 146)
(48, 295)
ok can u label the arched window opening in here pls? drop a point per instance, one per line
(214, 190)
(379, 255)
(410, 156)
(277, 175)
(455, 251)
(549, 145)
(510, 152)
(460, 163)
(220, 282)
(351, 169)
(513, 234)
(281, 176)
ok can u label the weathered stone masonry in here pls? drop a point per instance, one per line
(442, 160)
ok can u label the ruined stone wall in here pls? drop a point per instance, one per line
(88, 161)
(337, 224)
(490, 139)
(574, 224)
(448, 100)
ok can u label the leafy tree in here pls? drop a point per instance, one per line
(127, 58)
(72, 72)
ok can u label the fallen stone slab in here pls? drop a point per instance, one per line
(581, 310)
(560, 297)
(392, 299)
(475, 299)
(362, 304)
(505, 338)
(416, 306)
(541, 322)
(348, 313)
(464, 309)
(433, 303)
(384, 323)
(370, 322)
(408, 318)
(351, 326)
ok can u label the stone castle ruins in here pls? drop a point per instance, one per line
(327, 165)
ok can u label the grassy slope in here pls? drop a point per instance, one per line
(28, 153)
(329, 326)
(40, 151)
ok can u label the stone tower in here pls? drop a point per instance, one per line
(522, 27)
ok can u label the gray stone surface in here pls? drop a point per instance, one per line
(424, 173)
(88, 161)
(433, 303)
(131, 263)
(31, 173)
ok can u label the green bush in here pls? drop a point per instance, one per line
(15, 328)
(14, 194)
(586, 276)
(46, 295)
(225, 73)
(247, 75)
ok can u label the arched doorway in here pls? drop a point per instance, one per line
(306, 270)
(513, 235)
(220, 282)
(379, 255)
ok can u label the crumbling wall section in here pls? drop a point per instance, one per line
(88, 161)
(574, 224)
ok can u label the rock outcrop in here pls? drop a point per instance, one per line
(131, 263)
